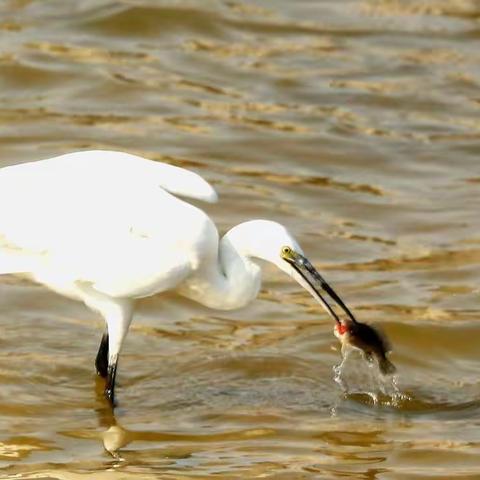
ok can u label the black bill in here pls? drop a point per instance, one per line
(314, 280)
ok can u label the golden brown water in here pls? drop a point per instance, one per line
(356, 124)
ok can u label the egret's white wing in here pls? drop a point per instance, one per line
(43, 204)
(104, 166)
(104, 220)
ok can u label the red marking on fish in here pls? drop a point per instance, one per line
(341, 329)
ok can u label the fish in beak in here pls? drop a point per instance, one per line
(348, 330)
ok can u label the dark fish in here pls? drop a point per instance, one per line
(373, 343)
(350, 332)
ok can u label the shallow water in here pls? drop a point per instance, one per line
(354, 123)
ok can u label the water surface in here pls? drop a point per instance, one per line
(354, 123)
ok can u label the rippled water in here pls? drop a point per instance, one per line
(356, 124)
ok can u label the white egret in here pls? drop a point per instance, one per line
(106, 228)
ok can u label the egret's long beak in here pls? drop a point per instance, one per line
(311, 280)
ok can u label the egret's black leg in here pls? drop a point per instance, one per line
(101, 362)
(110, 386)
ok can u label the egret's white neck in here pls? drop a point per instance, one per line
(232, 279)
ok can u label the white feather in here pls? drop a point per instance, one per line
(103, 227)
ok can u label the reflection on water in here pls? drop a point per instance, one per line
(354, 123)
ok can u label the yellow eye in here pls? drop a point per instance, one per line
(286, 250)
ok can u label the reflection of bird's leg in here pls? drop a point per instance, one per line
(114, 436)
(101, 362)
(117, 313)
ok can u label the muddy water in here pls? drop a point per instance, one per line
(356, 124)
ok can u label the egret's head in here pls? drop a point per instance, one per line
(262, 239)
(272, 242)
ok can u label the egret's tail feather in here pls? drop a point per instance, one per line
(184, 182)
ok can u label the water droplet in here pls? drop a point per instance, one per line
(356, 375)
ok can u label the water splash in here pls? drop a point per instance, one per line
(356, 375)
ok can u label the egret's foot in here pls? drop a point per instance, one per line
(101, 362)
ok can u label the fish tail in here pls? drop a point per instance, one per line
(386, 366)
